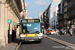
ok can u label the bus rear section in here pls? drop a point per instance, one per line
(30, 30)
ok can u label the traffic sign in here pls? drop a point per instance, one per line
(9, 21)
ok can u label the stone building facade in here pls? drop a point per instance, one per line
(9, 9)
(70, 13)
(53, 17)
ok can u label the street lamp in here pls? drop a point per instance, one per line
(14, 25)
(9, 35)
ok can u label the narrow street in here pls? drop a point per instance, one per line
(34, 20)
(46, 44)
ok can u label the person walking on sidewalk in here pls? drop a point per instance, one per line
(13, 34)
(71, 32)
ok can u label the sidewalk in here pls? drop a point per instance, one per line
(0, 44)
(11, 46)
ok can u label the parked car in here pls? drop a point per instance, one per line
(50, 31)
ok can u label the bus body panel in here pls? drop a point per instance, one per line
(39, 36)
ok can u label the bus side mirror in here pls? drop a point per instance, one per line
(17, 26)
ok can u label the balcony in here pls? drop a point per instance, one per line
(71, 17)
(65, 3)
(59, 5)
(65, 18)
(65, 11)
(73, 13)
(69, 0)
(59, 14)
(71, 4)
(64, 0)
(60, 20)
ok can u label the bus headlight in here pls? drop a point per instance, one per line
(22, 35)
(40, 37)
(40, 34)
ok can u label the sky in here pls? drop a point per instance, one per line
(34, 6)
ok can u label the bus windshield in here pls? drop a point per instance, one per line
(31, 28)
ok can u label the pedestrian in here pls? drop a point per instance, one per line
(61, 32)
(56, 31)
(15, 34)
(12, 34)
(43, 30)
(71, 32)
(9, 37)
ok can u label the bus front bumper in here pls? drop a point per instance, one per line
(24, 39)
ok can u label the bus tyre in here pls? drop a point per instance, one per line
(50, 33)
(19, 42)
(39, 41)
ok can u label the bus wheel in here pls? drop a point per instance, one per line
(39, 41)
(50, 33)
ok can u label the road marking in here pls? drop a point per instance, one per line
(61, 42)
(18, 46)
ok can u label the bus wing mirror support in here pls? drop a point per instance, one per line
(17, 26)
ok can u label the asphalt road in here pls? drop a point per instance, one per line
(46, 44)
(66, 38)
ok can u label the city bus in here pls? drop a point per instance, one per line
(30, 30)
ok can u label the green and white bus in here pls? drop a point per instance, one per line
(30, 30)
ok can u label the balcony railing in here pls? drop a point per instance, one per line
(64, 0)
(65, 10)
(59, 5)
(73, 12)
(71, 17)
(71, 4)
(60, 20)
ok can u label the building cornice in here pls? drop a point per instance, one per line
(14, 7)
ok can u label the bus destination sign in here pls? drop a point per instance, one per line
(30, 20)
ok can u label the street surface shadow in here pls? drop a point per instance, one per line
(16, 41)
(34, 42)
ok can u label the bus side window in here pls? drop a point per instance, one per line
(20, 30)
